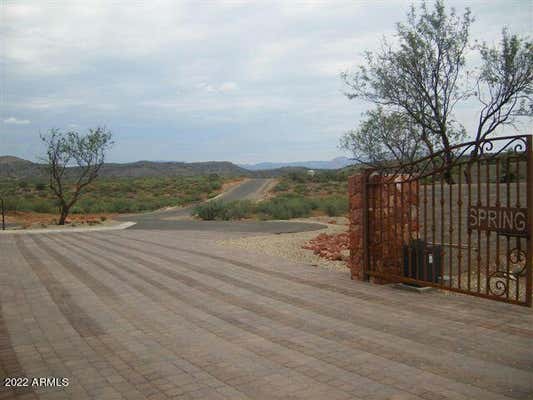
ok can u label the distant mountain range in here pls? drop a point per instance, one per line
(336, 163)
(14, 167)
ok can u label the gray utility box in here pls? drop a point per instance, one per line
(424, 260)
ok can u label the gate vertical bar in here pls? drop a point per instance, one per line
(519, 240)
(459, 222)
(529, 196)
(487, 233)
(3, 216)
(366, 228)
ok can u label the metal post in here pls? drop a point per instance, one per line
(3, 215)
(529, 195)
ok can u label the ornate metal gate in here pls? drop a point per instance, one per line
(461, 223)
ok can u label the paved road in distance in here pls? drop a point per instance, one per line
(176, 219)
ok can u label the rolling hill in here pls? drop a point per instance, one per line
(14, 167)
(18, 168)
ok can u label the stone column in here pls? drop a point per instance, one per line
(390, 224)
(355, 192)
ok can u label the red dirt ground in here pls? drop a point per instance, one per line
(27, 219)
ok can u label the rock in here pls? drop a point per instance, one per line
(330, 247)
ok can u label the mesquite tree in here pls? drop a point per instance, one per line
(73, 162)
(424, 76)
(504, 85)
(384, 137)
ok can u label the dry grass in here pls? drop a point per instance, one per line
(28, 220)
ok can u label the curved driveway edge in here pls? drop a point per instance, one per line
(275, 227)
(121, 226)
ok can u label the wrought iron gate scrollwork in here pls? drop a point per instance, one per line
(500, 280)
(468, 211)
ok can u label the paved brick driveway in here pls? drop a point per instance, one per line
(160, 314)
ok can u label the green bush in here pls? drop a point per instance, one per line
(210, 211)
(298, 176)
(36, 205)
(122, 206)
(216, 185)
(285, 207)
(281, 207)
(238, 210)
(40, 186)
(334, 206)
(301, 189)
(115, 195)
(281, 187)
(43, 207)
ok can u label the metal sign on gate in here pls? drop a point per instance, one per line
(504, 220)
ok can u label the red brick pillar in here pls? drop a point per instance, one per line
(390, 204)
(356, 192)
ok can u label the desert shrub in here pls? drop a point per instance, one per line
(217, 185)
(282, 207)
(275, 211)
(301, 188)
(210, 211)
(89, 205)
(44, 207)
(325, 176)
(40, 186)
(35, 205)
(122, 205)
(334, 206)
(298, 176)
(238, 210)
(191, 198)
(285, 207)
(282, 186)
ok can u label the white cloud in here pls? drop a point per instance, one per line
(55, 38)
(15, 121)
(249, 68)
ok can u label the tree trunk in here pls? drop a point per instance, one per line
(448, 176)
(63, 215)
(448, 155)
(468, 173)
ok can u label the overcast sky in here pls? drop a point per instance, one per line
(200, 80)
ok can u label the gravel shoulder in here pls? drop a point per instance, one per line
(289, 245)
(108, 225)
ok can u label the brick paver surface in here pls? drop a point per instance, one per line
(170, 315)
